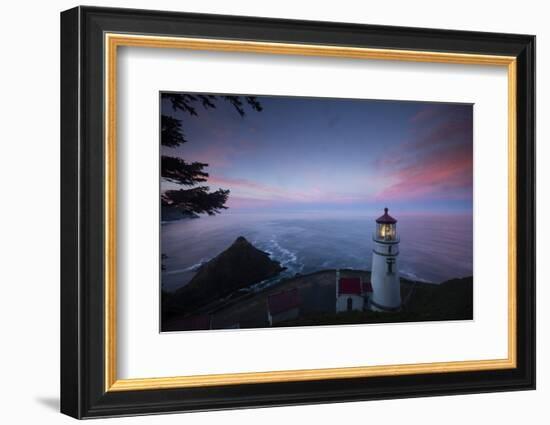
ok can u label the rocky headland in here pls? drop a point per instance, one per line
(239, 266)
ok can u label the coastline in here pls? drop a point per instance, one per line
(248, 309)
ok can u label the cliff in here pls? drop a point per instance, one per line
(239, 266)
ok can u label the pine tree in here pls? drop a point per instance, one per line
(193, 198)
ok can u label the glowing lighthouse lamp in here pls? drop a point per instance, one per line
(386, 290)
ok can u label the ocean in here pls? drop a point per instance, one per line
(433, 248)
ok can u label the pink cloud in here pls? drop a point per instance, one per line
(241, 202)
(247, 186)
(221, 154)
(446, 175)
(247, 192)
(443, 133)
(435, 163)
(425, 114)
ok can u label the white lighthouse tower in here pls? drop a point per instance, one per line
(386, 290)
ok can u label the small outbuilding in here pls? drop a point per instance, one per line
(283, 306)
(352, 293)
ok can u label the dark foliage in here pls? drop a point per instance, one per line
(188, 102)
(171, 133)
(178, 171)
(198, 200)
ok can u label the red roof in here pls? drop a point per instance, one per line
(386, 218)
(350, 286)
(367, 287)
(283, 301)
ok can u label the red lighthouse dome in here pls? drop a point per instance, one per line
(386, 218)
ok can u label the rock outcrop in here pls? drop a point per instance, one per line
(239, 266)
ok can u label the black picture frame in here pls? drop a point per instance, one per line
(83, 392)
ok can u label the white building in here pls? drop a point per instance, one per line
(386, 288)
(351, 293)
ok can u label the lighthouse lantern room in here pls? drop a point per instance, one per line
(386, 289)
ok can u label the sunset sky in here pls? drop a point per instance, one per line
(319, 154)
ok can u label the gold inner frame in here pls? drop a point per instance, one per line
(112, 41)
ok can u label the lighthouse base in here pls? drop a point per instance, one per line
(384, 309)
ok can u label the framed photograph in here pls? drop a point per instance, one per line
(261, 212)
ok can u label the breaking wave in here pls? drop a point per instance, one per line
(286, 257)
(193, 268)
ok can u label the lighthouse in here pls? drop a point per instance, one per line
(386, 290)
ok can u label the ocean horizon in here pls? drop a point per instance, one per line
(433, 248)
